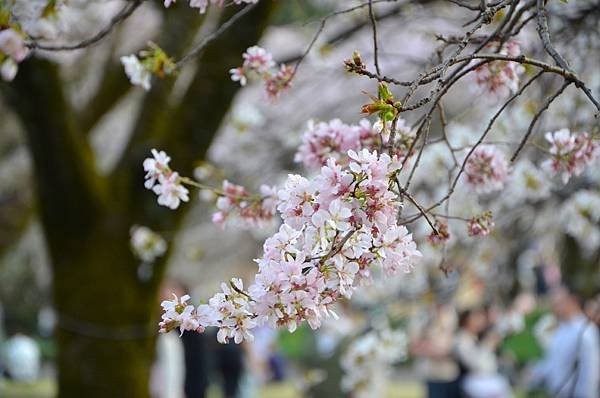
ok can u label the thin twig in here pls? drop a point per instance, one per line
(539, 113)
(375, 46)
(214, 35)
(122, 15)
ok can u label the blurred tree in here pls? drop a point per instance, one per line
(106, 315)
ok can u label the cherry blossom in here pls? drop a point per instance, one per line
(251, 210)
(481, 224)
(500, 78)
(486, 169)
(146, 244)
(570, 153)
(258, 64)
(443, 235)
(13, 45)
(163, 181)
(579, 217)
(12, 51)
(322, 140)
(138, 73)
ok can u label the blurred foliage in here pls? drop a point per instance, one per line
(523, 346)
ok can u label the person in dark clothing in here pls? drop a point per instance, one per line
(230, 364)
(196, 369)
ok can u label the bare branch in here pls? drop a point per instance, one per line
(539, 113)
(122, 15)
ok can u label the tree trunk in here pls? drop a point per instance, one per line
(106, 316)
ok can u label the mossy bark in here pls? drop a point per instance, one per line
(107, 316)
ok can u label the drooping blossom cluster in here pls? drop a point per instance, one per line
(368, 360)
(335, 228)
(322, 140)
(146, 244)
(481, 224)
(12, 51)
(251, 210)
(202, 5)
(258, 64)
(486, 169)
(163, 181)
(500, 78)
(442, 235)
(570, 153)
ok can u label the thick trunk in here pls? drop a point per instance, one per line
(106, 317)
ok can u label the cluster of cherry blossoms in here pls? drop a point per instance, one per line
(251, 210)
(12, 51)
(487, 169)
(481, 224)
(336, 228)
(202, 5)
(368, 360)
(500, 78)
(323, 140)
(163, 181)
(570, 153)
(146, 244)
(258, 64)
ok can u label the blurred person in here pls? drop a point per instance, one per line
(22, 358)
(571, 364)
(432, 344)
(479, 376)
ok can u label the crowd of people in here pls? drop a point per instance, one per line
(463, 354)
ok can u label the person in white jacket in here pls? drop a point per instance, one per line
(477, 359)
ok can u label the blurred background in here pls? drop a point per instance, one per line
(79, 308)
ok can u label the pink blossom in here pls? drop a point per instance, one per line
(486, 169)
(258, 60)
(251, 210)
(280, 81)
(480, 225)
(570, 153)
(170, 191)
(500, 78)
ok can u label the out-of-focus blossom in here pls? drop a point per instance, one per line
(137, 72)
(570, 153)
(500, 78)
(368, 361)
(481, 224)
(528, 183)
(580, 215)
(487, 169)
(442, 236)
(254, 211)
(146, 244)
(13, 45)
